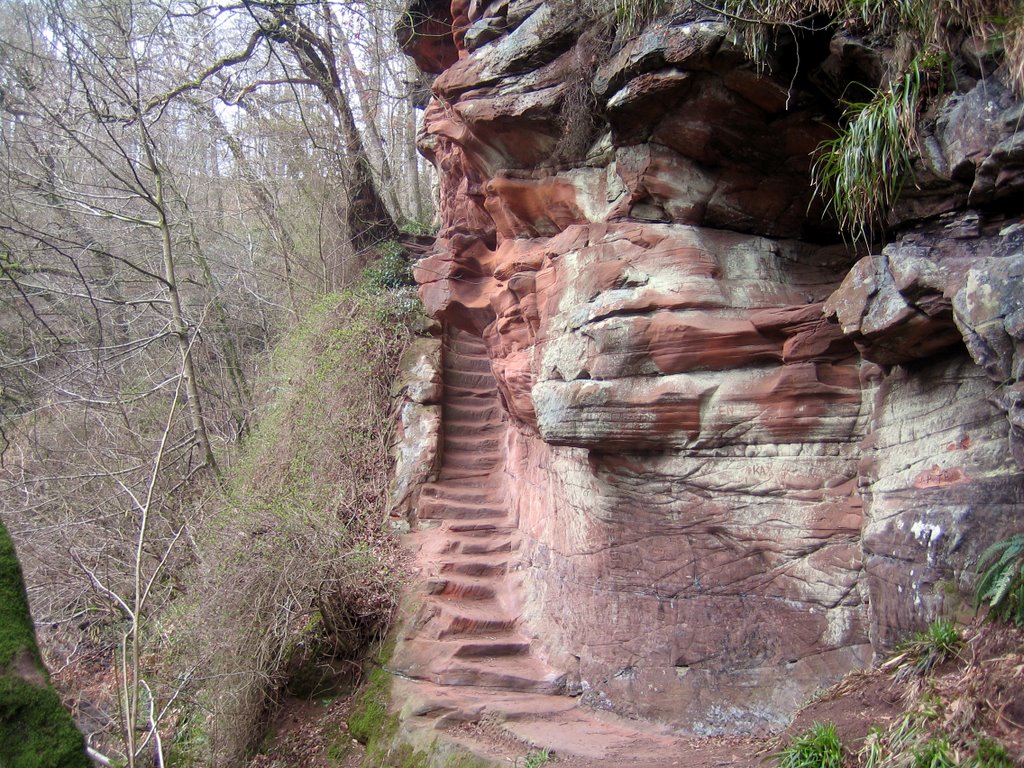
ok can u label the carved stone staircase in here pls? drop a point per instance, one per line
(464, 662)
(467, 629)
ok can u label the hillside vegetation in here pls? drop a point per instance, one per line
(297, 572)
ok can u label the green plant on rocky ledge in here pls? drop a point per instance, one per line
(631, 15)
(819, 747)
(861, 171)
(926, 650)
(1001, 585)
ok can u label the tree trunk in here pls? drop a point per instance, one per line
(261, 194)
(369, 221)
(178, 323)
(375, 146)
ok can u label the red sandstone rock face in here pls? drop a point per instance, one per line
(733, 456)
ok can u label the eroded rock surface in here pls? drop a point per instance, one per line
(739, 455)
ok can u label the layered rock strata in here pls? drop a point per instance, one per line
(732, 456)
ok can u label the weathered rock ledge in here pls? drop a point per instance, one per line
(740, 456)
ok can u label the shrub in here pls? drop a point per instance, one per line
(1002, 580)
(818, 748)
(390, 271)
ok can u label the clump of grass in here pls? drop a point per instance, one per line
(818, 748)
(631, 15)
(897, 746)
(988, 754)
(928, 649)
(861, 171)
(1002, 580)
(537, 759)
(934, 753)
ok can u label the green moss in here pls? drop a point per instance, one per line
(373, 725)
(338, 746)
(16, 632)
(370, 714)
(35, 729)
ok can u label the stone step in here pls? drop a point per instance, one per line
(472, 363)
(483, 414)
(490, 429)
(522, 673)
(464, 464)
(492, 648)
(474, 474)
(459, 394)
(462, 588)
(486, 546)
(484, 493)
(463, 619)
(470, 379)
(478, 565)
(442, 509)
(453, 705)
(482, 527)
(465, 344)
(493, 543)
(477, 443)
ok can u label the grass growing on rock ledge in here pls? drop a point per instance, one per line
(860, 173)
(298, 571)
(960, 708)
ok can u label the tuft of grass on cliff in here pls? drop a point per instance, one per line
(861, 172)
(298, 572)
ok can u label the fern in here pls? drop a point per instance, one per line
(1002, 580)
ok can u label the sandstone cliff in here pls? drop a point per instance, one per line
(711, 455)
